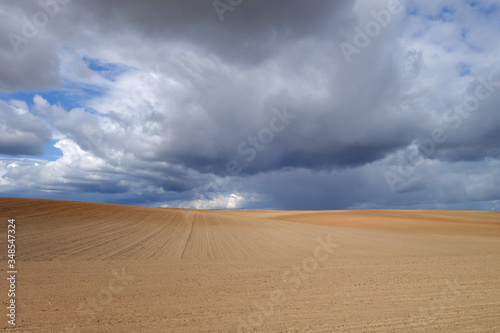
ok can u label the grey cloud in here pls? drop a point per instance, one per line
(470, 130)
(462, 185)
(248, 35)
(213, 87)
(21, 133)
(27, 63)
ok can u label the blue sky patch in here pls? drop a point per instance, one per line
(446, 14)
(51, 153)
(107, 70)
(69, 97)
(464, 69)
(486, 10)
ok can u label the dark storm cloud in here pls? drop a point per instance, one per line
(438, 186)
(20, 132)
(346, 124)
(28, 56)
(298, 39)
(253, 31)
(265, 97)
(248, 35)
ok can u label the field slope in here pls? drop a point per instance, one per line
(85, 267)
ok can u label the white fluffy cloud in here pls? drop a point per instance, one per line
(231, 201)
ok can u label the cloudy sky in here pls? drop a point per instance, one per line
(281, 104)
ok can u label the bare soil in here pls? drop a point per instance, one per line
(85, 267)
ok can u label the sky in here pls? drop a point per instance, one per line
(252, 104)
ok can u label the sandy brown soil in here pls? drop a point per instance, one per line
(108, 268)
